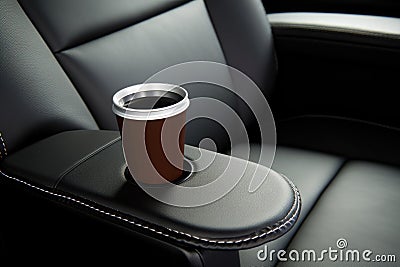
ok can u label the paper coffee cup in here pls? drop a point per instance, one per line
(151, 118)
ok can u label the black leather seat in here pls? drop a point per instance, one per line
(61, 61)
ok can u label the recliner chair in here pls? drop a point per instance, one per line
(61, 61)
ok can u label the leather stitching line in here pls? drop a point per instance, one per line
(279, 225)
(118, 29)
(4, 147)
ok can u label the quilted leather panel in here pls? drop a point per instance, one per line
(105, 65)
(67, 23)
(36, 97)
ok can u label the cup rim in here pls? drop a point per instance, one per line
(150, 114)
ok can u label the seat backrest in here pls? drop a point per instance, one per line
(62, 60)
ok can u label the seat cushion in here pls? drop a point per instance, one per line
(355, 200)
(311, 172)
(361, 205)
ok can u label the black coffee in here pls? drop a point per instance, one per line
(153, 102)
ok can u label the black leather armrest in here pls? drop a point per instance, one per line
(85, 169)
(48, 161)
(331, 60)
(358, 29)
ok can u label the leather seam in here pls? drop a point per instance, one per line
(77, 44)
(85, 158)
(48, 47)
(216, 32)
(3, 143)
(286, 223)
(332, 29)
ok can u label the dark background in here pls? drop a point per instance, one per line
(366, 7)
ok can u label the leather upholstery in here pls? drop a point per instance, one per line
(105, 60)
(372, 30)
(68, 156)
(92, 168)
(36, 98)
(122, 43)
(329, 71)
(247, 42)
(107, 64)
(361, 206)
(312, 172)
(353, 139)
(66, 24)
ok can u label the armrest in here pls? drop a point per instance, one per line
(331, 60)
(47, 161)
(86, 171)
(373, 30)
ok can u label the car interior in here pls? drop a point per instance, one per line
(329, 70)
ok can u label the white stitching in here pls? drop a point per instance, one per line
(286, 223)
(4, 147)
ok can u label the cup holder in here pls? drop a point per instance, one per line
(187, 173)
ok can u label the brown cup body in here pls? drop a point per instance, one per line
(154, 149)
(151, 119)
